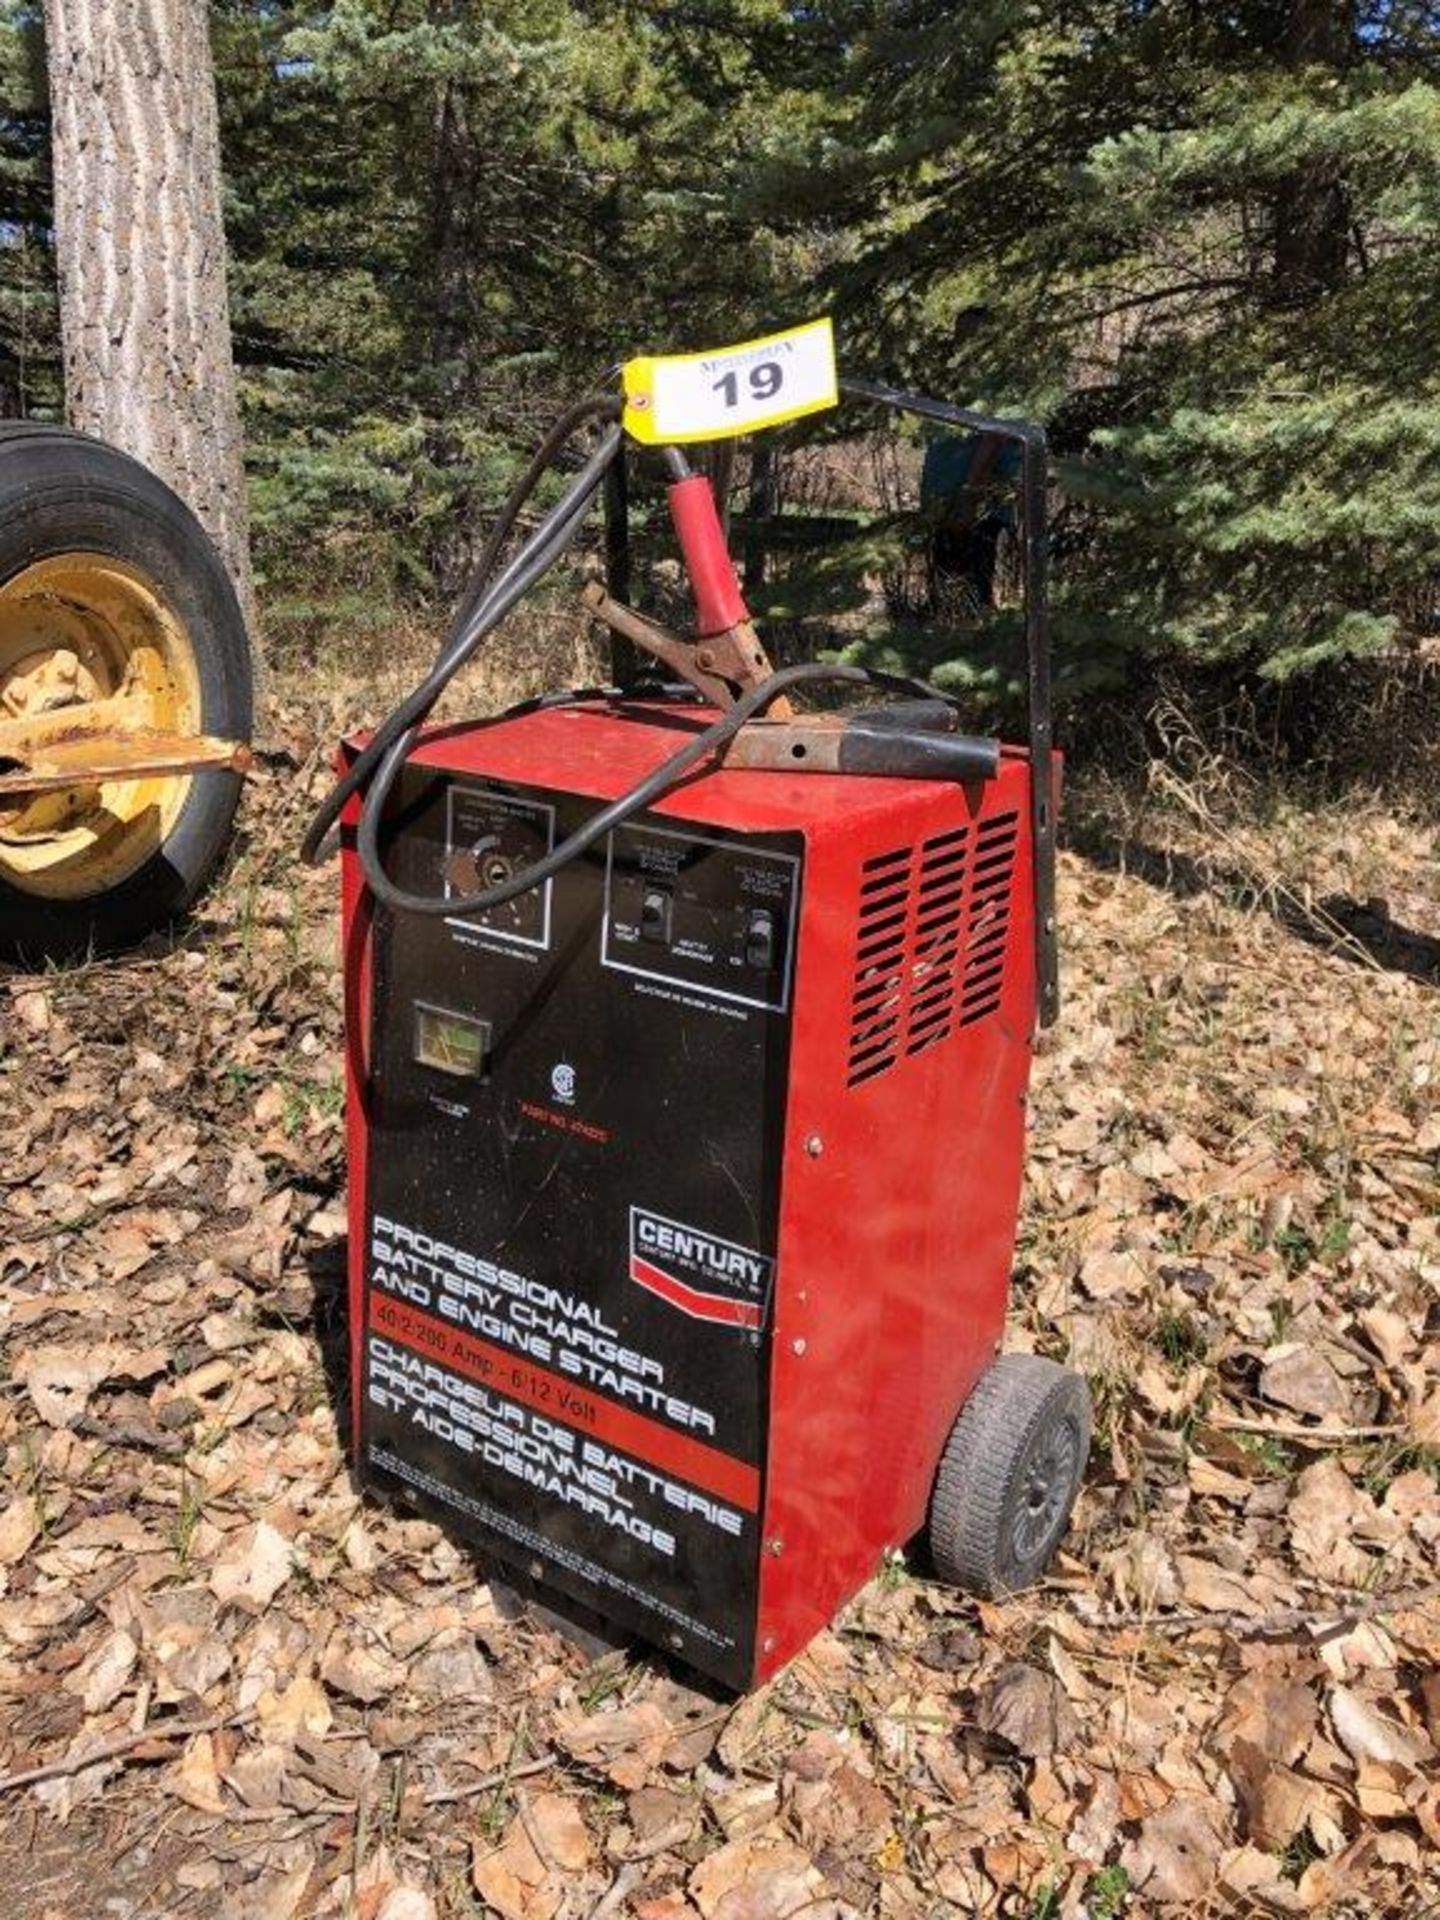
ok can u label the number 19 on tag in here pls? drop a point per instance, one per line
(763, 382)
(710, 396)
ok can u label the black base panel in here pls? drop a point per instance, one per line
(574, 1114)
(539, 1578)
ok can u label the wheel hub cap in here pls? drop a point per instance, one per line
(79, 631)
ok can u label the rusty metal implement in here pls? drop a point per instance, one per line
(93, 757)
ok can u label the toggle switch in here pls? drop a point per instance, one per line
(655, 915)
(760, 940)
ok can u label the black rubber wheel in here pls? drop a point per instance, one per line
(106, 571)
(1009, 1474)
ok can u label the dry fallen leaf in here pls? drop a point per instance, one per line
(32, 1010)
(254, 1566)
(102, 1678)
(275, 1896)
(1367, 1734)
(659, 1819)
(760, 1877)
(194, 1777)
(367, 1673)
(302, 1707)
(1273, 1713)
(1254, 1880)
(745, 1808)
(1301, 1378)
(1327, 1512)
(192, 1667)
(61, 1797)
(258, 1776)
(513, 1879)
(1112, 1273)
(1216, 1589)
(1276, 1802)
(555, 1824)
(406, 1903)
(1177, 1218)
(1174, 1856)
(843, 1814)
(454, 1672)
(627, 1744)
(1029, 1710)
(1390, 1333)
(19, 1529)
(61, 1380)
(1092, 1835)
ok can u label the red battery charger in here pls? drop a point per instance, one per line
(683, 1182)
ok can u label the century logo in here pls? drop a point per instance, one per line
(702, 1273)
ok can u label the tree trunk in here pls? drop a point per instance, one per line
(140, 247)
(1312, 210)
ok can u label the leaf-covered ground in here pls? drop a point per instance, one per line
(1226, 1700)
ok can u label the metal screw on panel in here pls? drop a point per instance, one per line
(797, 1346)
(814, 1146)
(677, 1641)
(537, 1572)
(775, 1544)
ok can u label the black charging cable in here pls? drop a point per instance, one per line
(484, 607)
(643, 794)
(377, 766)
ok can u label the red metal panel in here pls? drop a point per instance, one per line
(587, 749)
(899, 1201)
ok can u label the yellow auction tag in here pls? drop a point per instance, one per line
(675, 397)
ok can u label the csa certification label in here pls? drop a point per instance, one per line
(701, 1274)
(732, 390)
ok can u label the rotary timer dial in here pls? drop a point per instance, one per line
(491, 838)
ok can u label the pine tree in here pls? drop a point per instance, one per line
(30, 378)
(407, 235)
(448, 219)
(444, 220)
(1201, 244)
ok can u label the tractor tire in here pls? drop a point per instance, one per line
(1009, 1475)
(109, 587)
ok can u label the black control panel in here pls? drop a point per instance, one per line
(567, 1318)
(707, 913)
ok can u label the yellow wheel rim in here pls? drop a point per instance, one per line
(74, 629)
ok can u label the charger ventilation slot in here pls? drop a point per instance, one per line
(937, 936)
(910, 938)
(991, 891)
(877, 1000)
